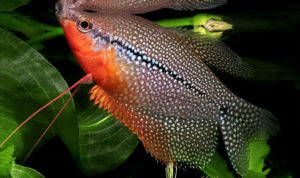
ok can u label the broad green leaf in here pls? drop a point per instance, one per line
(24, 172)
(104, 142)
(10, 5)
(6, 161)
(217, 168)
(27, 82)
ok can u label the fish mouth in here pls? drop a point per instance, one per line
(68, 10)
(63, 9)
(58, 8)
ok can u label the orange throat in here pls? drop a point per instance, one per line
(100, 63)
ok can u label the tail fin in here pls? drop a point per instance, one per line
(241, 123)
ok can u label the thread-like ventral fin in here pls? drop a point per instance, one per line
(197, 4)
(215, 53)
(242, 123)
(86, 79)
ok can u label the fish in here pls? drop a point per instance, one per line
(155, 81)
(139, 7)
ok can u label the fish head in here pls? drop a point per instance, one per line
(89, 38)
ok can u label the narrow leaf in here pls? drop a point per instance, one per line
(12, 4)
(19, 23)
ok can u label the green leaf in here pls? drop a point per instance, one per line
(27, 82)
(6, 161)
(217, 168)
(8, 168)
(253, 174)
(257, 154)
(10, 5)
(104, 142)
(258, 151)
(25, 172)
(20, 24)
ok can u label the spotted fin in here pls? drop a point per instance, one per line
(241, 123)
(215, 53)
(197, 4)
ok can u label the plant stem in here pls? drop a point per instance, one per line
(46, 36)
(179, 22)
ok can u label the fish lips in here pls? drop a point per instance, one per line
(65, 9)
(61, 8)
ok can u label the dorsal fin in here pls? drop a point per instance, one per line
(215, 53)
(197, 4)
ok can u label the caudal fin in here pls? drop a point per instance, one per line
(241, 123)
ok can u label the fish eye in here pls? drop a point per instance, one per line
(84, 25)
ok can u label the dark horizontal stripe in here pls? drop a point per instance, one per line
(144, 58)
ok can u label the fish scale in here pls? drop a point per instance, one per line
(148, 77)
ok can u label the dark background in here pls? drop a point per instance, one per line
(266, 34)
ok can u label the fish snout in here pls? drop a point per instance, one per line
(58, 8)
(63, 8)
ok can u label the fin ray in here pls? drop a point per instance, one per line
(197, 4)
(215, 53)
